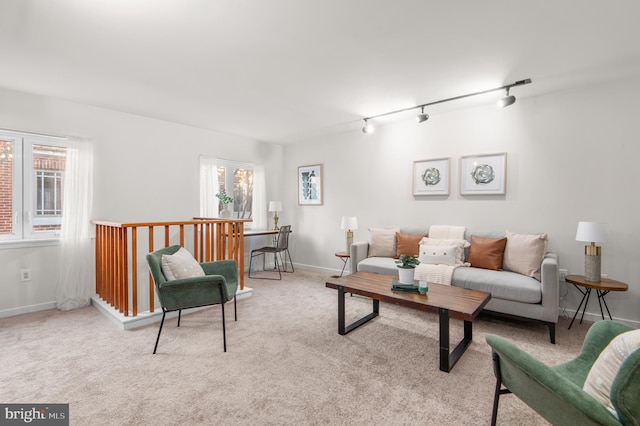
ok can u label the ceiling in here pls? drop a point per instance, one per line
(289, 70)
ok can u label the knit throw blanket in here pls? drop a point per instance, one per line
(439, 274)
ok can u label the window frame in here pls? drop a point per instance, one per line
(24, 191)
(230, 165)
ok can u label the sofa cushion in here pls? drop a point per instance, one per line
(486, 253)
(524, 253)
(501, 284)
(382, 242)
(379, 265)
(408, 244)
(439, 255)
(604, 371)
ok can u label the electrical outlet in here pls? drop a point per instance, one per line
(25, 275)
(563, 273)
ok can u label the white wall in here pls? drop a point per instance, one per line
(145, 170)
(571, 156)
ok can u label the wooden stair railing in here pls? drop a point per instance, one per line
(118, 251)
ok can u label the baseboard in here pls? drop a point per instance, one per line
(593, 317)
(27, 309)
(146, 318)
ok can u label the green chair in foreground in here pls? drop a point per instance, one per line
(556, 392)
(218, 286)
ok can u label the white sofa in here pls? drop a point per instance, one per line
(512, 293)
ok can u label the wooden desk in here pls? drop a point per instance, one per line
(602, 289)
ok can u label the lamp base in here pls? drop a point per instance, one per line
(275, 221)
(592, 267)
(349, 239)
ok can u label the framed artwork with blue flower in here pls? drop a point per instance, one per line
(310, 185)
(431, 177)
(483, 174)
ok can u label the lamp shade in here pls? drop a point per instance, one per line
(275, 206)
(349, 222)
(592, 232)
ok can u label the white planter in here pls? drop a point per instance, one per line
(405, 275)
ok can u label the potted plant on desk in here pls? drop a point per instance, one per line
(226, 201)
(407, 268)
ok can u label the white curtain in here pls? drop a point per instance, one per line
(75, 283)
(208, 186)
(259, 207)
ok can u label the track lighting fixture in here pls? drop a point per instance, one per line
(422, 117)
(504, 102)
(367, 127)
(507, 100)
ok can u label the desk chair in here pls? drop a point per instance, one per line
(281, 246)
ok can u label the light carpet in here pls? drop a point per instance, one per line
(286, 364)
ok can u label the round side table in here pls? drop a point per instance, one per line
(344, 256)
(602, 289)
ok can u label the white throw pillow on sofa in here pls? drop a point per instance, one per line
(461, 244)
(180, 265)
(382, 242)
(524, 253)
(439, 255)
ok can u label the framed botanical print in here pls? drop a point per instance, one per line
(431, 177)
(310, 185)
(483, 174)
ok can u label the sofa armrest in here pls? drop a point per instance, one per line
(359, 252)
(550, 286)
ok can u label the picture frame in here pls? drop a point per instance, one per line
(431, 177)
(484, 174)
(310, 189)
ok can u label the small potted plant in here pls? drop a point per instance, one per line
(226, 204)
(406, 268)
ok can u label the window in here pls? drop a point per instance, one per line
(31, 190)
(236, 181)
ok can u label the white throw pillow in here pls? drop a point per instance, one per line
(439, 255)
(180, 265)
(603, 372)
(461, 244)
(382, 242)
(524, 253)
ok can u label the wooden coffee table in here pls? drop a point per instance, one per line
(448, 301)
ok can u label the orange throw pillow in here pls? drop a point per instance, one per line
(487, 253)
(408, 244)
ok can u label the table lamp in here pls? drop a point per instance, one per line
(592, 232)
(349, 223)
(275, 207)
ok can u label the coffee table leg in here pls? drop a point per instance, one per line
(449, 359)
(342, 329)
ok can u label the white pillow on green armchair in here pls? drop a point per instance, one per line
(180, 265)
(603, 372)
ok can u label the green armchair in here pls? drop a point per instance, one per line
(216, 287)
(556, 392)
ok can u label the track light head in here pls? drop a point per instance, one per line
(507, 100)
(422, 117)
(367, 128)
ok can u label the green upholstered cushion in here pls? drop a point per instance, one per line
(597, 338)
(544, 389)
